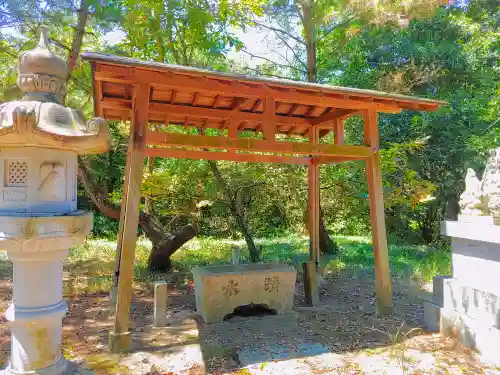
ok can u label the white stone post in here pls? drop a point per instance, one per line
(160, 303)
(236, 255)
(39, 144)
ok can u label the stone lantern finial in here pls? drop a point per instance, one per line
(43, 41)
(39, 119)
(43, 74)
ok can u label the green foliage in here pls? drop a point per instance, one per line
(450, 55)
(188, 32)
(449, 52)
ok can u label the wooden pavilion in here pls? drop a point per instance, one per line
(147, 92)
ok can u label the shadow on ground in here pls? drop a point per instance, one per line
(345, 320)
(341, 335)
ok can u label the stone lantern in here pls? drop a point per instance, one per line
(40, 140)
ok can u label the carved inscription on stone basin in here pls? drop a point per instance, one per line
(220, 289)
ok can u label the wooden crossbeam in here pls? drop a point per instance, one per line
(292, 109)
(310, 110)
(256, 105)
(335, 159)
(214, 104)
(228, 156)
(195, 96)
(333, 115)
(172, 96)
(255, 145)
(217, 87)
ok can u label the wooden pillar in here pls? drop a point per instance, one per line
(311, 292)
(338, 135)
(269, 125)
(313, 212)
(120, 338)
(119, 239)
(383, 285)
(313, 201)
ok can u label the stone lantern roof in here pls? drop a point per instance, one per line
(39, 119)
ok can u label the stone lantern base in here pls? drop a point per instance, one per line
(37, 246)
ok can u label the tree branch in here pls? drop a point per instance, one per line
(76, 44)
(274, 62)
(102, 203)
(276, 30)
(257, 71)
(336, 26)
(60, 45)
(297, 58)
(183, 43)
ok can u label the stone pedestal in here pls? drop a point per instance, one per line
(467, 303)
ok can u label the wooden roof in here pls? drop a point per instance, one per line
(210, 99)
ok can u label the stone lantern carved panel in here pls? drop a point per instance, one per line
(15, 179)
(16, 173)
(37, 180)
(52, 182)
(16, 195)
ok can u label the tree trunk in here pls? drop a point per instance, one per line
(326, 244)
(310, 39)
(148, 204)
(253, 251)
(76, 44)
(164, 244)
(163, 249)
(231, 199)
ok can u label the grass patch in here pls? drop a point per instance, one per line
(91, 265)
(417, 261)
(291, 249)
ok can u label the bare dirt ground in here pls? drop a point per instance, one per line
(342, 336)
